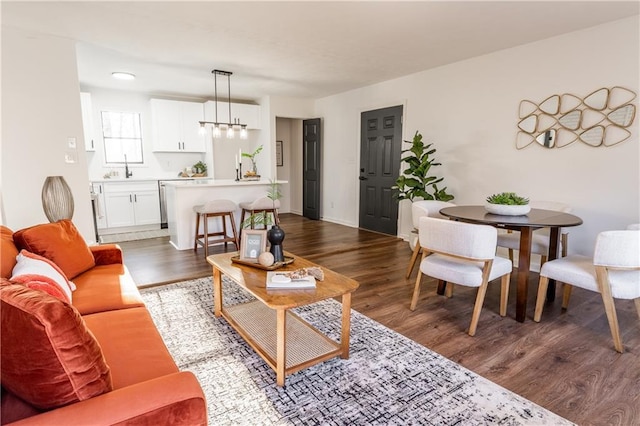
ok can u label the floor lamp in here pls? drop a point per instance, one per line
(57, 199)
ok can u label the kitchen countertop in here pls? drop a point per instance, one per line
(145, 179)
(199, 183)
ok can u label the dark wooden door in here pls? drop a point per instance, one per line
(311, 154)
(380, 148)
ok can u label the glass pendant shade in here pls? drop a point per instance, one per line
(216, 131)
(243, 132)
(230, 133)
(57, 199)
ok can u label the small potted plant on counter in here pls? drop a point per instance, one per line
(507, 204)
(253, 173)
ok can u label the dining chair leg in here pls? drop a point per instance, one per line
(564, 238)
(542, 295)
(609, 307)
(566, 295)
(477, 308)
(416, 288)
(504, 294)
(448, 290)
(195, 240)
(414, 258)
(637, 302)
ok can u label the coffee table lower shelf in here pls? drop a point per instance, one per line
(257, 324)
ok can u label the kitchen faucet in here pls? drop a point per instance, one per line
(127, 173)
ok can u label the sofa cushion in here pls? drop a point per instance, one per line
(105, 288)
(8, 252)
(49, 357)
(39, 272)
(60, 242)
(132, 346)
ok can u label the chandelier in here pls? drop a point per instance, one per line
(233, 124)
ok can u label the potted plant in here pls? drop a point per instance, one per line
(254, 169)
(415, 181)
(200, 168)
(507, 204)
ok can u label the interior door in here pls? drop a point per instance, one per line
(311, 154)
(380, 149)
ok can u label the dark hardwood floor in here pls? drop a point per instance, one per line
(566, 363)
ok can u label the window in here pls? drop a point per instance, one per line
(122, 137)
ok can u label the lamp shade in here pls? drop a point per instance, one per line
(57, 199)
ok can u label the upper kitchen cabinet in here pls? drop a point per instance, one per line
(245, 113)
(175, 126)
(87, 121)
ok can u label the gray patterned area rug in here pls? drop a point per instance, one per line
(387, 380)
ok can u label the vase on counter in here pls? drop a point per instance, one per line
(275, 235)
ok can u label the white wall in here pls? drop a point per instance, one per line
(40, 110)
(469, 110)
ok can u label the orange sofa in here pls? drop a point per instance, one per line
(96, 360)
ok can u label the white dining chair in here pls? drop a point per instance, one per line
(540, 237)
(430, 208)
(614, 272)
(462, 253)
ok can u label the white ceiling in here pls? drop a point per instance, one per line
(298, 49)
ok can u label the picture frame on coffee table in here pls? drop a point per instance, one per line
(253, 243)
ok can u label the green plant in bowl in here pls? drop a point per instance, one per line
(508, 198)
(507, 204)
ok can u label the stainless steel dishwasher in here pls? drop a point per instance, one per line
(163, 200)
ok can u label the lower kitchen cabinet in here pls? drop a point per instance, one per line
(131, 204)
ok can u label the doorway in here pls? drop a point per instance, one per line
(380, 150)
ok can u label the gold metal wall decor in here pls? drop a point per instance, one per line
(599, 119)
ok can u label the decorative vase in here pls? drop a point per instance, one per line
(507, 209)
(275, 235)
(57, 199)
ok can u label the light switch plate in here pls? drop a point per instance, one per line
(71, 142)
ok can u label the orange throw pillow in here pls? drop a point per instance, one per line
(59, 242)
(8, 252)
(49, 357)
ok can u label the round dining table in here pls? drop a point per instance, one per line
(525, 224)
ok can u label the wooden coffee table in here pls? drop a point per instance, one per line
(284, 340)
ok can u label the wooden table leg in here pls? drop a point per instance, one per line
(346, 325)
(524, 259)
(217, 292)
(281, 346)
(554, 249)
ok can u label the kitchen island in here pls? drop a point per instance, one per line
(182, 196)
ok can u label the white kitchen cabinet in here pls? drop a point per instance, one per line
(245, 113)
(248, 114)
(87, 121)
(175, 126)
(101, 212)
(132, 204)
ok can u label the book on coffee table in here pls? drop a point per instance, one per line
(283, 280)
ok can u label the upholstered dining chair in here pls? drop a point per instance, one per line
(540, 237)
(462, 253)
(614, 272)
(419, 209)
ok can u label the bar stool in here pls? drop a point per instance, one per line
(263, 204)
(215, 208)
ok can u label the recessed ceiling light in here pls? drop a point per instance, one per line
(123, 75)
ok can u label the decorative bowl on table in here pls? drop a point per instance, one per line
(507, 209)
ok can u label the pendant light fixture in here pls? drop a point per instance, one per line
(233, 124)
